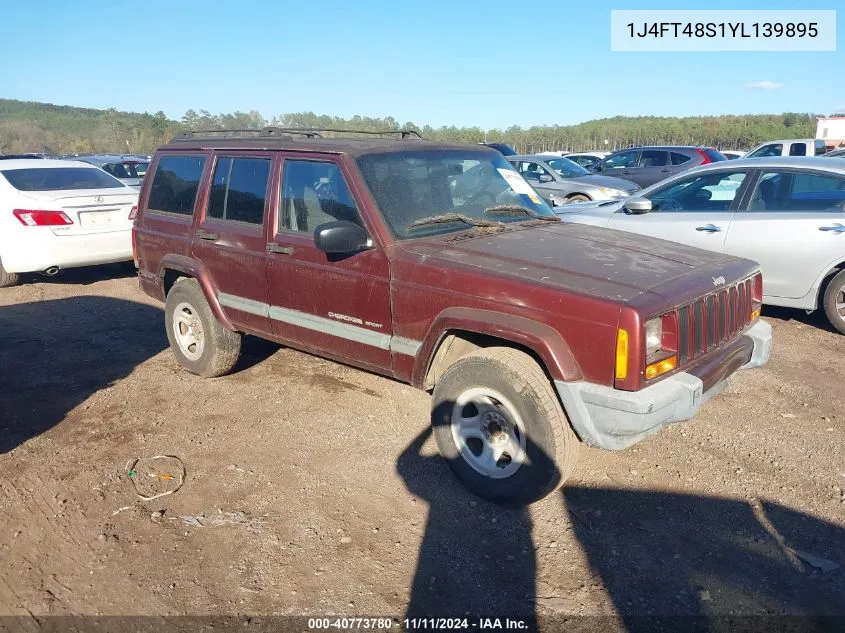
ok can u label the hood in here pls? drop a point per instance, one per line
(597, 180)
(581, 259)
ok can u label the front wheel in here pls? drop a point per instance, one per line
(578, 197)
(834, 301)
(198, 340)
(500, 426)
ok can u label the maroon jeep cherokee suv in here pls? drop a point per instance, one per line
(438, 265)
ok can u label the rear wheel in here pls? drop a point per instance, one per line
(834, 301)
(198, 340)
(578, 197)
(8, 279)
(499, 424)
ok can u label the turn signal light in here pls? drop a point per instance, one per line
(661, 367)
(755, 314)
(41, 218)
(621, 354)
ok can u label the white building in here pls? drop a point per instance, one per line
(832, 130)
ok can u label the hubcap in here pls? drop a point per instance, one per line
(489, 433)
(187, 330)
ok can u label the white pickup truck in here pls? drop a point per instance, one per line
(789, 147)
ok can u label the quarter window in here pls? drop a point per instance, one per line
(238, 189)
(708, 192)
(679, 159)
(175, 184)
(314, 193)
(798, 149)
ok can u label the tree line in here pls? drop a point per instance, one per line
(44, 127)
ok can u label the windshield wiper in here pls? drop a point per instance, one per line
(447, 218)
(509, 209)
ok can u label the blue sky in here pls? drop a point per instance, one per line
(463, 62)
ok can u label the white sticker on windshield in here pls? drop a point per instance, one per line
(516, 182)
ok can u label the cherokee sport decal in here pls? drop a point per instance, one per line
(352, 319)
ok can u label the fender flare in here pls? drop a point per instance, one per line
(198, 271)
(540, 338)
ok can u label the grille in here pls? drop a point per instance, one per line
(713, 319)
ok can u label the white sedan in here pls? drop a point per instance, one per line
(788, 214)
(58, 214)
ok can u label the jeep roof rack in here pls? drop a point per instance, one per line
(286, 132)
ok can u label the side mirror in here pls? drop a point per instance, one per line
(597, 167)
(545, 178)
(637, 205)
(341, 237)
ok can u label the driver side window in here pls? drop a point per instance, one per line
(705, 193)
(313, 193)
(532, 171)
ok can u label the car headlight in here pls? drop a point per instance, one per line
(613, 193)
(653, 336)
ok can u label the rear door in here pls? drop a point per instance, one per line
(338, 305)
(230, 240)
(653, 166)
(695, 210)
(794, 226)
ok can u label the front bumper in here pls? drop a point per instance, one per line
(612, 419)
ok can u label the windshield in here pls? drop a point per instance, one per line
(59, 178)
(566, 168)
(451, 186)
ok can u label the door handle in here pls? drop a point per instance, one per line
(207, 235)
(836, 228)
(709, 228)
(281, 250)
(664, 171)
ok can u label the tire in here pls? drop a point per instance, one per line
(578, 197)
(834, 301)
(511, 388)
(187, 319)
(7, 280)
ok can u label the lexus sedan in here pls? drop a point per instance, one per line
(786, 213)
(559, 181)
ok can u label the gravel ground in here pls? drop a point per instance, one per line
(315, 488)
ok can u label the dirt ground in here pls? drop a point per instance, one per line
(314, 488)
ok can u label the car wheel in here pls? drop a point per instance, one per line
(578, 197)
(834, 301)
(8, 279)
(198, 340)
(499, 424)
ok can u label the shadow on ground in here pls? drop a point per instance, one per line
(816, 319)
(55, 354)
(86, 275)
(667, 561)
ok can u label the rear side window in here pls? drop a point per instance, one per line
(60, 179)
(653, 158)
(679, 159)
(797, 149)
(238, 189)
(175, 184)
(797, 191)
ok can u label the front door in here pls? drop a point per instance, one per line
(794, 226)
(339, 305)
(230, 240)
(695, 210)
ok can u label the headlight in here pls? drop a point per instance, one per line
(653, 336)
(613, 193)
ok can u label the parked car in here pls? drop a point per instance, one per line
(789, 147)
(837, 153)
(58, 214)
(560, 181)
(731, 154)
(502, 148)
(127, 169)
(647, 165)
(19, 156)
(588, 160)
(530, 332)
(785, 213)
